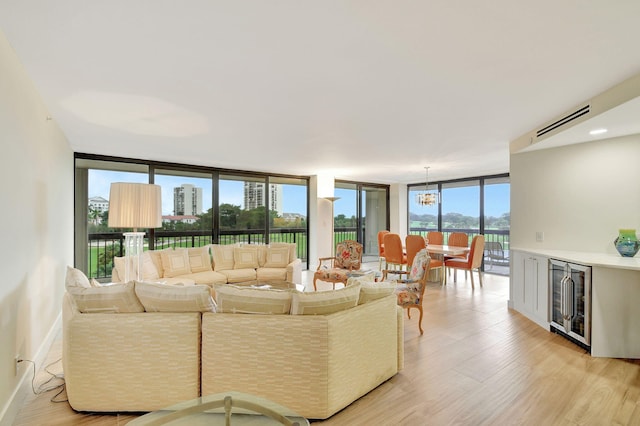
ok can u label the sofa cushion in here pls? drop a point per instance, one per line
(156, 257)
(222, 256)
(292, 249)
(199, 259)
(245, 257)
(250, 300)
(149, 269)
(175, 262)
(271, 274)
(277, 257)
(208, 277)
(157, 297)
(114, 298)
(76, 278)
(370, 290)
(239, 275)
(325, 302)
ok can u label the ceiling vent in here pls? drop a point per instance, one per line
(564, 120)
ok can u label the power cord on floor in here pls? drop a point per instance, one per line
(41, 388)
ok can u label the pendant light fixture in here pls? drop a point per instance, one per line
(427, 198)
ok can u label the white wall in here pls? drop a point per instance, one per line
(36, 177)
(398, 208)
(578, 195)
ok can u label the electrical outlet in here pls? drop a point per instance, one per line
(539, 236)
(16, 362)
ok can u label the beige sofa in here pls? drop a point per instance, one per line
(218, 264)
(313, 364)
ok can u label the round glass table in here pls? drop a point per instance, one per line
(228, 408)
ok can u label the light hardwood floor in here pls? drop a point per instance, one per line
(478, 363)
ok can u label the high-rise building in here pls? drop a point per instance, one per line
(254, 196)
(187, 200)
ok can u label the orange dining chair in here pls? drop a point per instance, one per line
(413, 244)
(410, 292)
(393, 251)
(472, 261)
(435, 237)
(458, 239)
(381, 235)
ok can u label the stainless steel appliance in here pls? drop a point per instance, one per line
(570, 301)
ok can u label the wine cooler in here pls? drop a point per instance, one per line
(570, 301)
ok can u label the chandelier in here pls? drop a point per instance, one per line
(427, 198)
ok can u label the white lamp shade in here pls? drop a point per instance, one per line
(326, 186)
(135, 205)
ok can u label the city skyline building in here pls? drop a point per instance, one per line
(254, 196)
(187, 200)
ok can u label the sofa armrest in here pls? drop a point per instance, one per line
(294, 272)
(129, 361)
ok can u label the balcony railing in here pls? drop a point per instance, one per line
(103, 247)
(496, 253)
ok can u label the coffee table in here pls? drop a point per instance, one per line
(228, 408)
(275, 284)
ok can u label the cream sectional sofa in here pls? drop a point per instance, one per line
(218, 264)
(313, 363)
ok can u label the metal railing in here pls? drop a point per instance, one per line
(496, 256)
(102, 247)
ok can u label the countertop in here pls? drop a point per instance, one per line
(605, 260)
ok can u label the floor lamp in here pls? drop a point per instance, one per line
(134, 205)
(333, 243)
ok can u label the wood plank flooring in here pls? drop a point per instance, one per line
(477, 363)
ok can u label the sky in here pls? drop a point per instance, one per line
(464, 200)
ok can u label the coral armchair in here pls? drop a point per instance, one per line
(393, 252)
(413, 244)
(410, 292)
(472, 261)
(337, 269)
(381, 235)
(435, 237)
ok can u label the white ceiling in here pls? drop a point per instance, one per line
(370, 91)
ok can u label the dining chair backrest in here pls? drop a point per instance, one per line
(458, 239)
(393, 252)
(420, 267)
(413, 244)
(435, 237)
(476, 253)
(348, 255)
(381, 235)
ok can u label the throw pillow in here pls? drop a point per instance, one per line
(245, 257)
(222, 256)
(76, 278)
(370, 290)
(175, 262)
(149, 270)
(292, 249)
(199, 259)
(325, 302)
(277, 257)
(114, 298)
(156, 297)
(251, 300)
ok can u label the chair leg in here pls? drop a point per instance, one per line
(420, 320)
(471, 272)
(314, 284)
(479, 276)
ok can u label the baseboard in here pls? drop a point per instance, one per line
(23, 388)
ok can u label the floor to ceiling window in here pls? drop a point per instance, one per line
(200, 206)
(478, 205)
(360, 212)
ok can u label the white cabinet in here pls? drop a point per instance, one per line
(529, 286)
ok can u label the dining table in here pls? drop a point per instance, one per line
(439, 251)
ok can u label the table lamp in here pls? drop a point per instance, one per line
(134, 205)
